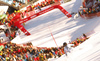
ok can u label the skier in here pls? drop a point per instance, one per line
(66, 48)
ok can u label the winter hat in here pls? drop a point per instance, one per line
(64, 44)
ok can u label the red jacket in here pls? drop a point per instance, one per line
(37, 58)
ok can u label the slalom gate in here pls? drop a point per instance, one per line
(20, 21)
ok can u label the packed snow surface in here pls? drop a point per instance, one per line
(64, 30)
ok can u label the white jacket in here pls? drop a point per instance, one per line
(66, 49)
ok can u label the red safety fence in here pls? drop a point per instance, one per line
(19, 22)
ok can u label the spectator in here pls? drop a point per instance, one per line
(95, 5)
(84, 35)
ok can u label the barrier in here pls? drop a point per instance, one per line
(89, 16)
(20, 21)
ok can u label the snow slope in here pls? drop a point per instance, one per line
(64, 30)
(87, 51)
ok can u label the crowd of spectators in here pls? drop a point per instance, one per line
(22, 3)
(79, 40)
(12, 51)
(89, 6)
(27, 52)
(40, 5)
